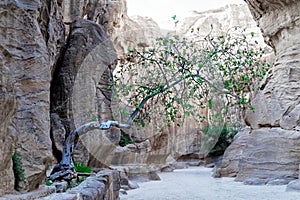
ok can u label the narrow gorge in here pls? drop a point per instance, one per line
(58, 59)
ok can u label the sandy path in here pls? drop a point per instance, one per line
(197, 183)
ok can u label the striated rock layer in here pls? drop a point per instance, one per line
(8, 107)
(270, 153)
(31, 36)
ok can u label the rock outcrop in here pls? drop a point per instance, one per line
(32, 34)
(79, 91)
(272, 150)
(32, 45)
(278, 104)
(103, 185)
(221, 21)
(231, 158)
(270, 153)
(126, 32)
(8, 107)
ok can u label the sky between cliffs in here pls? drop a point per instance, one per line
(162, 10)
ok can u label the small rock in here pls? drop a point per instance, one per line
(216, 172)
(279, 181)
(60, 186)
(194, 164)
(255, 181)
(210, 165)
(123, 192)
(153, 176)
(131, 147)
(293, 186)
(167, 169)
(179, 165)
(133, 185)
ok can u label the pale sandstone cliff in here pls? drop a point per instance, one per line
(272, 148)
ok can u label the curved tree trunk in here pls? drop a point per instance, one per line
(65, 169)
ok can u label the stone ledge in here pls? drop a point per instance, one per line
(105, 185)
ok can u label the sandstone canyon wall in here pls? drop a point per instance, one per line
(32, 34)
(271, 150)
(57, 59)
(56, 68)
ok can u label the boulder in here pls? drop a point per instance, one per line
(255, 181)
(293, 186)
(270, 153)
(231, 158)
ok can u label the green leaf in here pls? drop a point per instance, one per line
(210, 103)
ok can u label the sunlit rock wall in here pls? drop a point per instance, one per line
(272, 150)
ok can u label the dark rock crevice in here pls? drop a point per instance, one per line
(84, 36)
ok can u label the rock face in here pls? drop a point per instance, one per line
(279, 101)
(32, 34)
(80, 82)
(270, 153)
(221, 21)
(272, 149)
(126, 32)
(32, 45)
(8, 107)
(231, 158)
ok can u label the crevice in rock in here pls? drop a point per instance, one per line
(84, 36)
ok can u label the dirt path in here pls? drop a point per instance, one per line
(197, 183)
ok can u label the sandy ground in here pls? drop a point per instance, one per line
(197, 183)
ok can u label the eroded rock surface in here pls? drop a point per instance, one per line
(79, 91)
(277, 105)
(31, 37)
(8, 107)
(231, 158)
(272, 150)
(220, 21)
(270, 153)
(126, 32)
